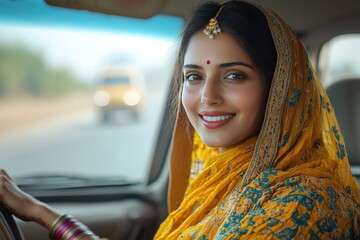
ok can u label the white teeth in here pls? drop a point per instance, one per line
(217, 118)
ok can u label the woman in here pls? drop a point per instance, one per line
(257, 151)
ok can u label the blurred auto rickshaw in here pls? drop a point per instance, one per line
(119, 92)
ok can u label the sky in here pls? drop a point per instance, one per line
(88, 52)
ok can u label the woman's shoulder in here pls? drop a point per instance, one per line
(282, 187)
(274, 180)
(293, 205)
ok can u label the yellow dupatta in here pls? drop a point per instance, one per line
(293, 180)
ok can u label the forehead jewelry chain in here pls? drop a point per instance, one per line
(213, 27)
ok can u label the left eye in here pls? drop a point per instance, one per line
(235, 76)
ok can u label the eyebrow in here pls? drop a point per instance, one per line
(222, 65)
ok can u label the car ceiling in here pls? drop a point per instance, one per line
(303, 16)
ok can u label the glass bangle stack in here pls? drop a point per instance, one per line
(68, 228)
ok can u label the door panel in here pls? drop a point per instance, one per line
(128, 219)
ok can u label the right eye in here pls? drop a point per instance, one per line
(192, 77)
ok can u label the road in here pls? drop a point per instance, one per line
(80, 144)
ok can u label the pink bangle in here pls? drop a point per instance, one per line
(64, 227)
(81, 233)
(68, 228)
(76, 233)
(78, 230)
(55, 224)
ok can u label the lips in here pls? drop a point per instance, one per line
(215, 119)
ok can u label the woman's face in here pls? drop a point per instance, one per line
(224, 92)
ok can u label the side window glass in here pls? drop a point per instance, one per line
(340, 59)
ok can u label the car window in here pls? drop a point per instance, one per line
(340, 58)
(81, 93)
(116, 80)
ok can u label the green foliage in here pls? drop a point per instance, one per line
(23, 71)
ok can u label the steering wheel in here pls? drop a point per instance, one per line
(9, 230)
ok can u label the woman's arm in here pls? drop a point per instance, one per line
(23, 205)
(27, 207)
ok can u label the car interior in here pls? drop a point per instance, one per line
(133, 207)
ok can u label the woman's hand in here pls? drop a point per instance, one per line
(22, 204)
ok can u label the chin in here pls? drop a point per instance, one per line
(215, 144)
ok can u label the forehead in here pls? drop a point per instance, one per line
(223, 48)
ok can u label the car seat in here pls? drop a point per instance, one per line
(344, 95)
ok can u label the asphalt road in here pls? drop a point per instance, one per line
(80, 144)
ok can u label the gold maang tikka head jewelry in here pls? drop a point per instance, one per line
(213, 27)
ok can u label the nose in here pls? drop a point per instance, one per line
(211, 92)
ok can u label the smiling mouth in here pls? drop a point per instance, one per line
(217, 118)
(216, 121)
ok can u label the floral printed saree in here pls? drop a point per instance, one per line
(292, 181)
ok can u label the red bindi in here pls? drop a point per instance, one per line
(208, 61)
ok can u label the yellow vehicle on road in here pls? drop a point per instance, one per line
(119, 92)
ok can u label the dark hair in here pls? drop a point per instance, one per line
(243, 21)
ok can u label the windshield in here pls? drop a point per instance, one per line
(51, 63)
(116, 80)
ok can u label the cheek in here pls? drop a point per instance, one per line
(188, 100)
(251, 101)
(246, 99)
